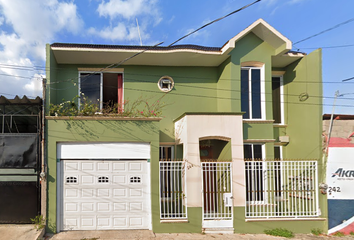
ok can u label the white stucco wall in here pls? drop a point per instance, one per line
(189, 130)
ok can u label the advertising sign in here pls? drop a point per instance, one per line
(340, 173)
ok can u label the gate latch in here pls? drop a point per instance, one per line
(227, 197)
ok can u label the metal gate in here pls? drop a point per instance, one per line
(19, 185)
(217, 194)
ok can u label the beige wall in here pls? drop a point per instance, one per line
(189, 130)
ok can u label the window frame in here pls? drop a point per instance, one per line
(262, 92)
(264, 185)
(161, 149)
(280, 185)
(101, 85)
(282, 115)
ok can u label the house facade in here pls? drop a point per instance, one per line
(195, 139)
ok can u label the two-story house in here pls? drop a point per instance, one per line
(185, 138)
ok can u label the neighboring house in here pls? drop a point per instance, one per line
(340, 172)
(236, 147)
(20, 158)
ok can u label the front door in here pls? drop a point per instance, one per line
(217, 196)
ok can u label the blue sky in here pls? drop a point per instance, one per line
(26, 26)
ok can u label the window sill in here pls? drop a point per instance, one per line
(285, 219)
(280, 125)
(174, 221)
(258, 121)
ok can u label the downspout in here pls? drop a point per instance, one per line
(43, 171)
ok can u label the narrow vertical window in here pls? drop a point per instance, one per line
(276, 94)
(253, 155)
(166, 153)
(245, 93)
(277, 171)
(252, 97)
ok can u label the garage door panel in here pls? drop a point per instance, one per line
(71, 166)
(120, 222)
(88, 222)
(88, 207)
(119, 166)
(120, 207)
(109, 194)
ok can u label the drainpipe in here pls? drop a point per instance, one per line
(43, 171)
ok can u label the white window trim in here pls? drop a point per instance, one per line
(282, 118)
(101, 85)
(265, 200)
(262, 93)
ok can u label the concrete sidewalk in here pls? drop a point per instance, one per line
(146, 234)
(18, 232)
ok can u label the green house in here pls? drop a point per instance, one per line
(185, 138)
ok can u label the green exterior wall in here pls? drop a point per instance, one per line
(200, 89)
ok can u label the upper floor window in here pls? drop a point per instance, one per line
(103, 89)
(278, 101)
(252, 93)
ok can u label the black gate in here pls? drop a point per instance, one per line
(20, 152)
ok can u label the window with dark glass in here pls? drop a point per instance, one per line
(71, 180)
(103, 179)
(251, 93)
(103, 89)
(277, 171)
(276, 94)
(135, 180)
(254, 172)
(166, 153)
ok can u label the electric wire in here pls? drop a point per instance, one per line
(324, 31)
(214, 21)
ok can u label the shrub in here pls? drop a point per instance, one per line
(316, 231)
(280, 232)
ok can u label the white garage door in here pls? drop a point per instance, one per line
(105, 194)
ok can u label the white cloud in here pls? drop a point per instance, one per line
(123, 15)
(119, 33)
(35, 85)
(128, 9)
(29, 26)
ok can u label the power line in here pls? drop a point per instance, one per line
(203, 87)
(214, 21)
(345, 80)
(328, 47)
(324, 31)
(10, 75)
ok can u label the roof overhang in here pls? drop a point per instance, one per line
(167, 56)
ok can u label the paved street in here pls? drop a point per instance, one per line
(145, 234)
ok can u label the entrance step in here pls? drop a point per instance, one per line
(223, 230)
